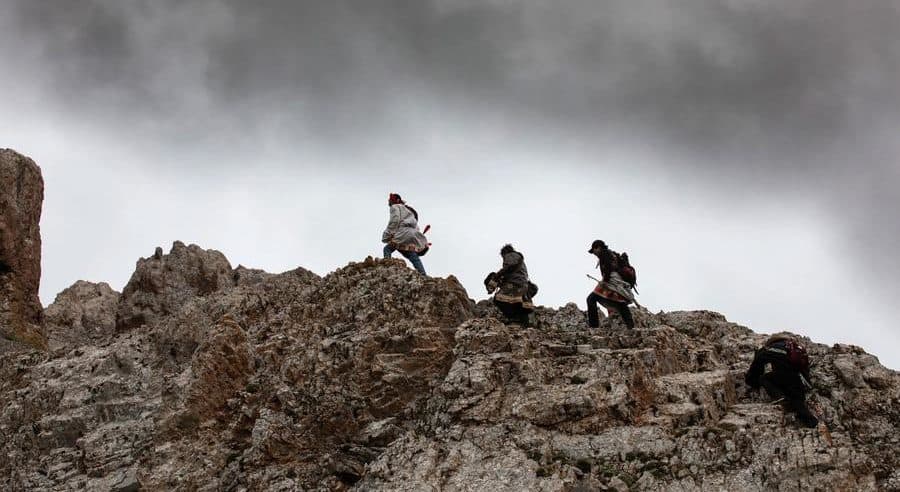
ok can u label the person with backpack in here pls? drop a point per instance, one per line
(789, 378)
(402, 233)
(514, 290)
(614, 290)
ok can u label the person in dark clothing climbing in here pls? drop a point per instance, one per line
(789, 378)
(613, 291)
(515, 289)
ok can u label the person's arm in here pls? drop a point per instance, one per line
(393, 224)
(763, 356)
(756, 369)
(490, 283)
(606, 266)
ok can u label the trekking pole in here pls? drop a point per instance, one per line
(636, 303)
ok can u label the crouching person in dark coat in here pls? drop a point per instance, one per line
(514, 291)
(789, 378)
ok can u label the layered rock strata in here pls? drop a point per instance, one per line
(377, 378)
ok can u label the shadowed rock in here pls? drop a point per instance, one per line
(21, 199)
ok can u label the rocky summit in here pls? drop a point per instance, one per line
(203, 376)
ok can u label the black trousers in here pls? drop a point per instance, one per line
(513, 312)
(620, 307)
(788, 386)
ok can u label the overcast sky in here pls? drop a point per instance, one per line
(744, 152)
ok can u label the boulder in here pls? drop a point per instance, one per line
(84, 313)
(162, 284)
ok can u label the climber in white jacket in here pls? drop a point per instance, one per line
(402, 233)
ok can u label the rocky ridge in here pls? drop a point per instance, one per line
(201, 376)
(376, 378)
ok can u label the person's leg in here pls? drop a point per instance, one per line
(508, 310)
(388, 250)
(524, 316)
(771, 386)
(798, 404)
(795, 394)
(611, 306)
(413, 258)
(593, 316)
(623, 310)
(619, 307)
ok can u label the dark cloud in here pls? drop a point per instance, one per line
(762, 79)
(707, 69)
(758, 97)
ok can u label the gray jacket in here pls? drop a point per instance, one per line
(402, 230)
(514, 273)
(513, 281)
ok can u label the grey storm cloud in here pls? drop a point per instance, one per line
(709, 74)
(800, 97)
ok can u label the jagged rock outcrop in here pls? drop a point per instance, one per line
(84, 313)
(162, 284)
(21, 199)
(377, 378)
(654, 409)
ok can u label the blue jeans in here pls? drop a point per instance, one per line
(412, 256)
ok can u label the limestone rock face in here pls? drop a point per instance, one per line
(377, 378)
(21, 199)
(84, 313)
(162, 284)
(219, 368)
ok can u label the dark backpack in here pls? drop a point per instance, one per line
(532, 290)
(625, 270)
(795, 353)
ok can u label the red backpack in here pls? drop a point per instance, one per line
(625, 270)
(797, 355)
